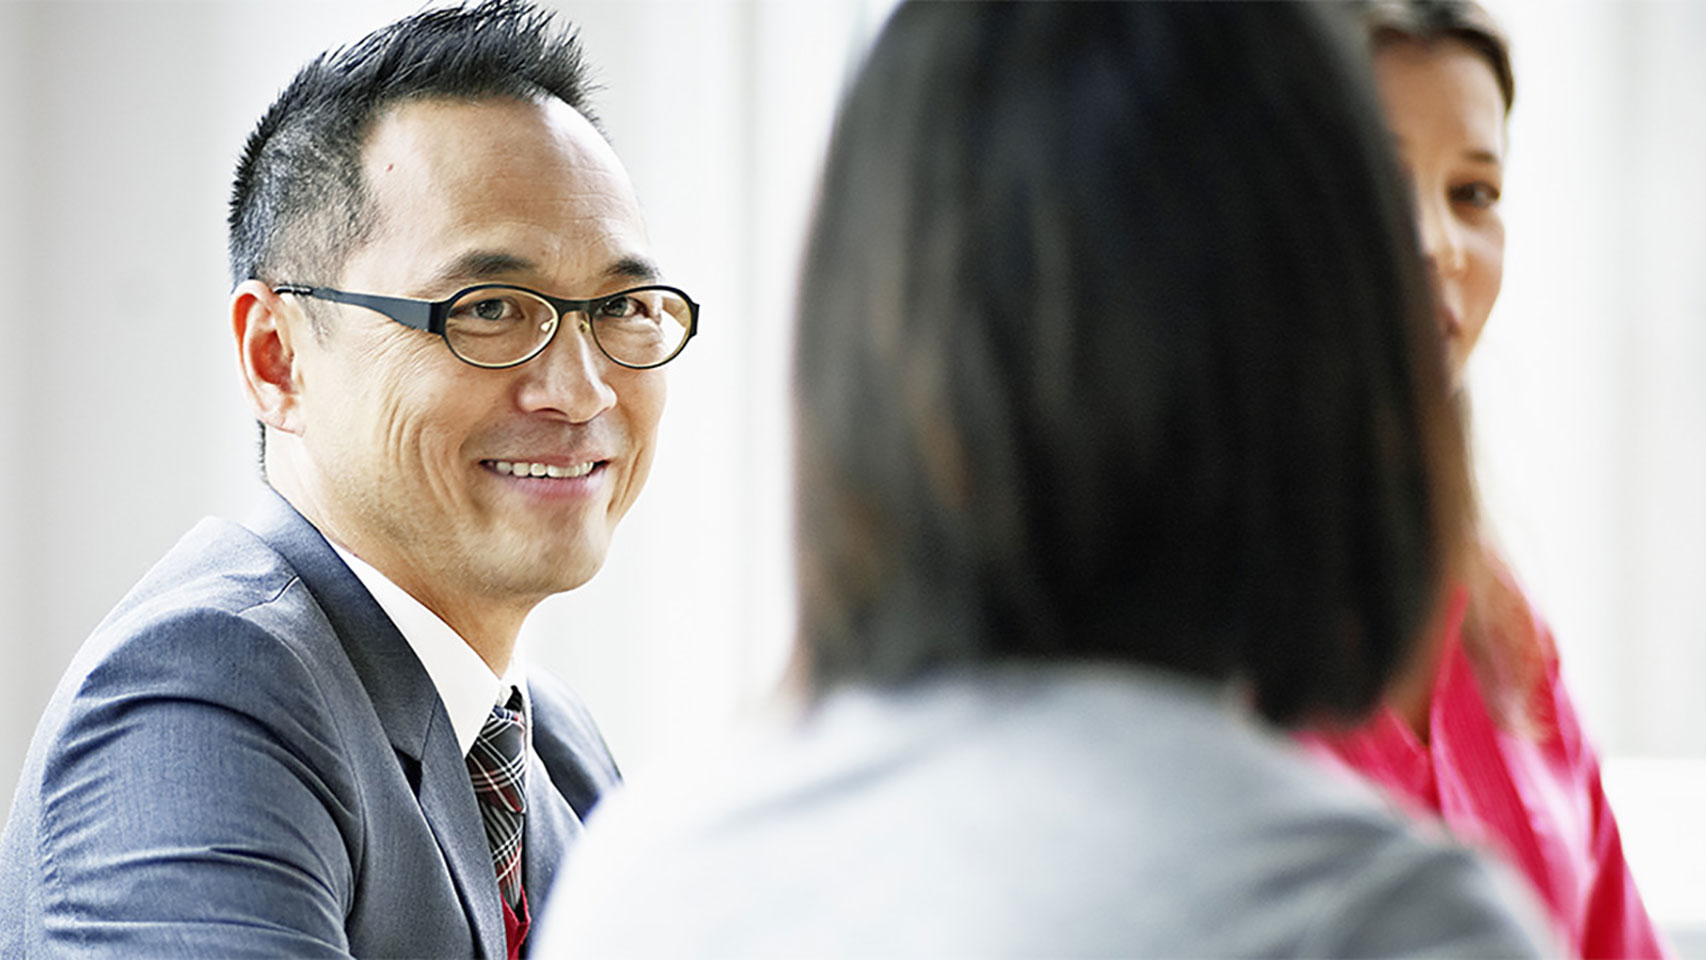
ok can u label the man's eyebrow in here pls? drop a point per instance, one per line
(480, 265)
(633, 268)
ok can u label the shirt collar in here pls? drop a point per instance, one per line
(465, 684)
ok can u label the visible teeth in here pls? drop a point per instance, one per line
(541, 469)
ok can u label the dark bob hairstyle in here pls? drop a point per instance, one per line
(1114, 344)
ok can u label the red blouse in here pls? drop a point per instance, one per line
(1533, 796)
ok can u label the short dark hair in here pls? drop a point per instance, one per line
(1427, 21)
(299, 205)
(1115, 343)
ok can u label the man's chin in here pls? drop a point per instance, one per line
(554, 571)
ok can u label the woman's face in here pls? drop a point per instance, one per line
(1444, 106)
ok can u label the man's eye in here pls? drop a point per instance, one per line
(621, 308)
(489, 310)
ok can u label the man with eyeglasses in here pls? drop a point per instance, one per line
(307, 735)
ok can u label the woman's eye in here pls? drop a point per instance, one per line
(1480, 194)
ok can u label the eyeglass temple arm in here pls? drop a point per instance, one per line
(419, 314)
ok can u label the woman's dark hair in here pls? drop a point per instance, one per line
(1428, 21)
(1115, 344)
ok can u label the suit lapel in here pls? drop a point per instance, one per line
(447, 800)
(551, 828)
(571, 768)
(408, 707)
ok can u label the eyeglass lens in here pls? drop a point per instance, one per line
(496, 326)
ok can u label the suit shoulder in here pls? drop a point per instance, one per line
(217, 565)
(219, 571)
(221, 616)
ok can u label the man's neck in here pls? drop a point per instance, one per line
(489, 628)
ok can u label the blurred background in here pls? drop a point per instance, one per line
(121, 421)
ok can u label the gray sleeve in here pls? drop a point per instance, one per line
(191, 805)
(1430, 901)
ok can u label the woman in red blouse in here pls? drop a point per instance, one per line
(1484, 735)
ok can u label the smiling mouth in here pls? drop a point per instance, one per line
(517, 468)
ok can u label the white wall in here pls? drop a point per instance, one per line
(1590, 397)
(1590, 384)
(18, 704)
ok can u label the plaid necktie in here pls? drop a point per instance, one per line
(498, 767)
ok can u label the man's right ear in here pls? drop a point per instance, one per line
(266, 352)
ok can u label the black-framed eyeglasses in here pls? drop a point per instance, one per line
(496, 325)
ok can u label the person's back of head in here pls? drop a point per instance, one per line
(1115, 344)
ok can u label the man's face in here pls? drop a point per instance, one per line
(403, 440)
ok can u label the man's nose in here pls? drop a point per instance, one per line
(571, 376)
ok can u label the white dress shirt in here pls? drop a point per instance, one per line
(465, 683)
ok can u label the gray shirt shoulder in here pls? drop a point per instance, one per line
(1064, 812)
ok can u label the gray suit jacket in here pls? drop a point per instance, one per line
(247, 759)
